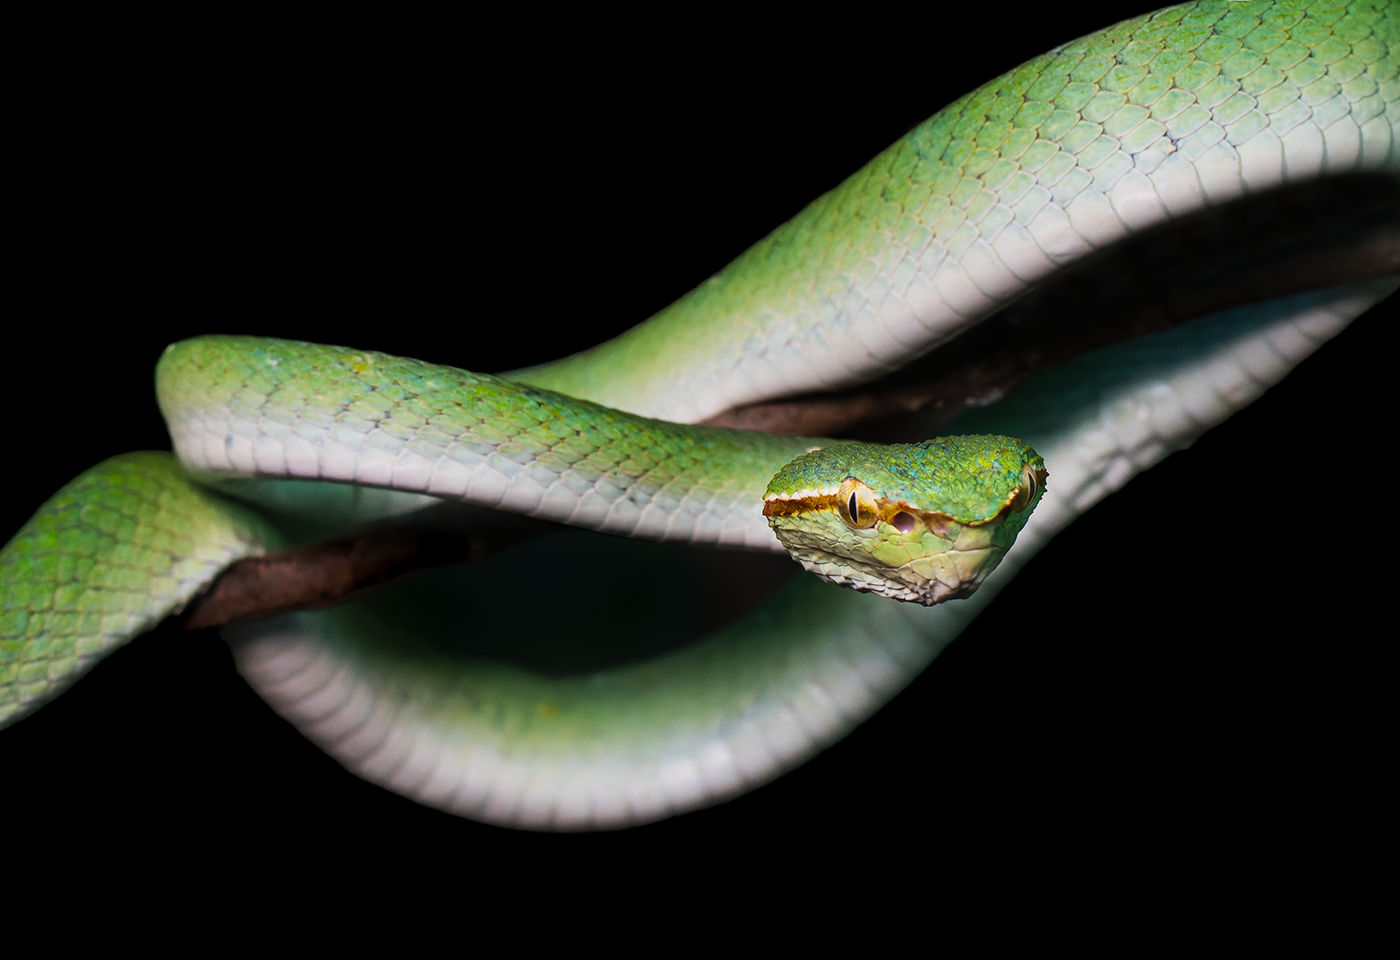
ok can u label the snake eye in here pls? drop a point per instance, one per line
(856, 503)
(1025, 495)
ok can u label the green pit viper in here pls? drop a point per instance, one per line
(1028, 174)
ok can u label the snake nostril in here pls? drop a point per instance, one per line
(903, 522)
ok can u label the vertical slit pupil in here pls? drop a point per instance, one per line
(853, 509)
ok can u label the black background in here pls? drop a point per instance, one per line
(410, 192)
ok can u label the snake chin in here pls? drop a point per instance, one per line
(951, 571)
(911, 584)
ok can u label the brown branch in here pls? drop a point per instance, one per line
(324, 573)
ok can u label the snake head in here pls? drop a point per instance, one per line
(922, 522)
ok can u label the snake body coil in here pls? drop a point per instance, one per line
(1101, 139)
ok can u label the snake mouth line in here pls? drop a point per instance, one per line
(904, 516)
(892, 512)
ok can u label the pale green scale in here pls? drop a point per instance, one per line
(275, 408)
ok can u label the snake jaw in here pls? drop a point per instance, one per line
(920, 566)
